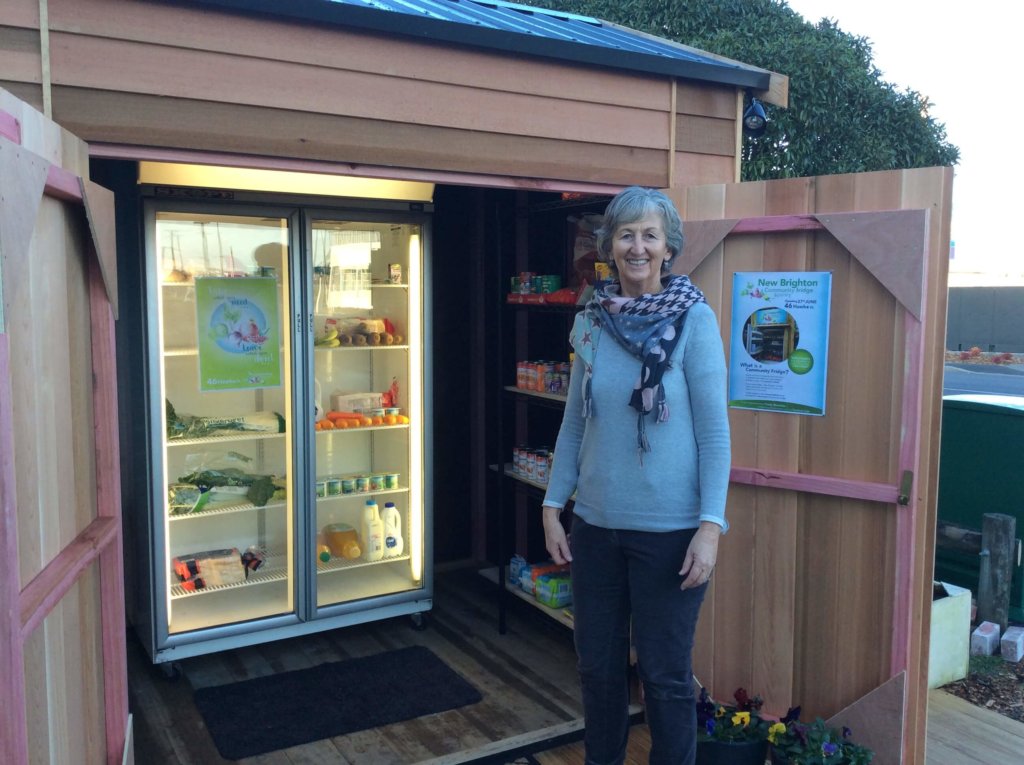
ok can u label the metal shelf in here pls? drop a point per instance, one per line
(225, 509)
(343, 564)
(553, 397)
(223, 439)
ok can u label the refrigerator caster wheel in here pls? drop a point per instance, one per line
(171, 670)
(419, 621)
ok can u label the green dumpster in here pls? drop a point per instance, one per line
(981, 467)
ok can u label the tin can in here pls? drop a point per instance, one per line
(391, 480)
(362, 484)
(531, 464)
(395, 273)
(376, 482)
(348, 485)
(321, 488)
(541, 470)
(522, 460)
(542, 369)
(333, 486)
(515, 459)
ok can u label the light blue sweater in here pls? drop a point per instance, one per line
(684, 478)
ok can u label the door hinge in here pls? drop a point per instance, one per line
(906, 485)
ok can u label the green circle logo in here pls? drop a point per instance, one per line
(800, 361)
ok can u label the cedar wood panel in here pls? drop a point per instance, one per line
(801, 605)
(46, 291)
(157, 74)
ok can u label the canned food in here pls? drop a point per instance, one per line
(395, 273)
(541, 470)
(391, 480)
(348, 485)
(362, 483)
(321, 488)
(333, 486)
(515, 459)
(377, 482)
(531, 464)
(522, 461)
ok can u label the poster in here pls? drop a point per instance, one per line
(238, 333)
(779, 341)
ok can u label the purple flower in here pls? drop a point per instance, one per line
(710, 725)
(847, 732)
(828, 748)
(792, 715)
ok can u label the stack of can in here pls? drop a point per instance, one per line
(543, 376)
(529, 282)
(534, 464)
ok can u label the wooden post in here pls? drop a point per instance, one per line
(997, 542)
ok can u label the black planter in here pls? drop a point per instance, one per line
(732, 752)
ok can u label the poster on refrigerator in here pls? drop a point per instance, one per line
(779, 341)
(237, 333)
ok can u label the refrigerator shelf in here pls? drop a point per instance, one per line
(342, 564)
(222, 439)
(363, 494)
(360, 429)
(350, 348)
(224, 509)
(274, 569)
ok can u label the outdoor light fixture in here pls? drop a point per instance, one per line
(754, 119)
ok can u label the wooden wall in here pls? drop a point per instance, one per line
(156, 74)
(802, 605)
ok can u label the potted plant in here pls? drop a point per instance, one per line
(797, 743)
(731, 734)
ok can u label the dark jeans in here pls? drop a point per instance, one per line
(616, 576)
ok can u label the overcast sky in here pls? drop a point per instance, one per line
(964, 56)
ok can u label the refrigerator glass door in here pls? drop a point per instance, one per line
(367, 529)
(225, 377)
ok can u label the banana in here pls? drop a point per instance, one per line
(331, 334)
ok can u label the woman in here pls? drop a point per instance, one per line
(644, 443)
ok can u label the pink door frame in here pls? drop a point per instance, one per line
(24, 609)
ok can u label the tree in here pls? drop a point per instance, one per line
(842, 116)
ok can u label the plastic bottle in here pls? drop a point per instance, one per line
(323, 552)
(373, 532)
(392, 520)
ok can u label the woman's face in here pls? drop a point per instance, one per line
(639, 249)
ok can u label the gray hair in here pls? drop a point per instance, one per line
(631, 205)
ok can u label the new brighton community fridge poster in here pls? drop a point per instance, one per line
(237, 333)
(779, 344)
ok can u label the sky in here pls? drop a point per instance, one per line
(964, 57)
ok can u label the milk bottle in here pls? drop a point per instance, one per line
(373, 532)
(392, 520)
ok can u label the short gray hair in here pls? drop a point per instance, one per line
(633, 204)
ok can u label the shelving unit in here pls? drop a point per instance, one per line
(560, 615)
(544, 244)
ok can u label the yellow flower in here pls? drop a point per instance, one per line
(741, 718)
(775, 730)
(720, 712)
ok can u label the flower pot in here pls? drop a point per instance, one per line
(731, 752)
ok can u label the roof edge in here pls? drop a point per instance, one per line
(406, 25)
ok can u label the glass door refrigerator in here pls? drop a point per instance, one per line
(287, 388)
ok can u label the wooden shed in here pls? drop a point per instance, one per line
(508, 110)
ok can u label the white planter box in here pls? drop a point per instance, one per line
(950, 643)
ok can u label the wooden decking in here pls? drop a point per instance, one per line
(527, 677)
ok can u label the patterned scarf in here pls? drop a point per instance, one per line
(648, 327)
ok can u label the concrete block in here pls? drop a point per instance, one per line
(985, 639)
(1011, 646)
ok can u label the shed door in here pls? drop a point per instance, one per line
(823, 589)
(62, 641)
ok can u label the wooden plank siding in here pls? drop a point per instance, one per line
(802, 609)
(151, 74)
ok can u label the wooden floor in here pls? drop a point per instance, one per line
(527, 678)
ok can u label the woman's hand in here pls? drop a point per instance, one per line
(555, 541)
(700, 555)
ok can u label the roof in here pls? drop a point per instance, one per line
(986, 402)
(515, 28)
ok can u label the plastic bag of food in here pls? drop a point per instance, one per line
(210, 568)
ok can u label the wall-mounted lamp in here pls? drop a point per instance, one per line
(754, 119)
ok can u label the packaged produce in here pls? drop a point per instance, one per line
(184, 498)
(189, 426)
(529, 574)
(210, 568)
